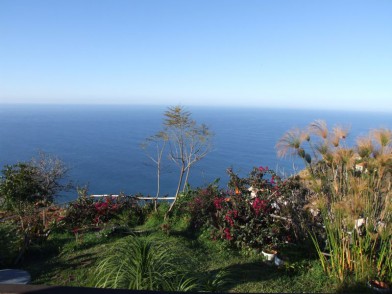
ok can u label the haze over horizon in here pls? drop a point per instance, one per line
(279, 54)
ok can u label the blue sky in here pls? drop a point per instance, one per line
(292, 54)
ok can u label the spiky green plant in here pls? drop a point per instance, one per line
(142, 264)
(217, 281)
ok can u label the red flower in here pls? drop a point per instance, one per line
(218, 203)
(263, 168)
(227, 234)
(229, 219)
(259, 205)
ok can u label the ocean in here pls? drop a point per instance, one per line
(101, 144)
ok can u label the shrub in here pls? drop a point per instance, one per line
(10, 243)
(156, 218)
(259, 210)
(89, 212)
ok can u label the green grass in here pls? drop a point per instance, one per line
(63, 260)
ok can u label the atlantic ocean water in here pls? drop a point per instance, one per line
(101, 144)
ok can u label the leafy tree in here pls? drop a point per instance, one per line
(26, 185)
(188, 141)
(19, 187)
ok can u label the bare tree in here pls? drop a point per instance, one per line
(50, 172)
(158, 143)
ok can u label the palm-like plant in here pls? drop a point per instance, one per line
(382, 136)
(319, 128)
(290, 143)
(365, 147)
(142, 264)
(338, 133)
(348, 194)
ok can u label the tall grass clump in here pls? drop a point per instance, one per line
(351, 187)
(143, 264)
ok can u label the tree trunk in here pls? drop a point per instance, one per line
(177, 192)
(158, 186)
(186, 179)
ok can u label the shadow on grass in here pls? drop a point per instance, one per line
(250, 272)
(358, 287)
(55, 260)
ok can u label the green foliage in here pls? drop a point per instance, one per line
(357, 256)
(20, 187)
(25, 187)
(198, 204)
(142, 264)
(9, 243)
(31, 183)
(217, 281)
(156, 218)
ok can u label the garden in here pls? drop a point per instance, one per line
(324, 229)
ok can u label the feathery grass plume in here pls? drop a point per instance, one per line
(323, 148)
(142, 264)
(345, 157)
(382, 136)
(347, 196)
(384, 157)
(319, 128)
(364, 147)
(290, 143)
(338, 133)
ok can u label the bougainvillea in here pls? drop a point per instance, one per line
(245, 214)
(87, 211)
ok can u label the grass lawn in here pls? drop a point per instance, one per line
(67, 261)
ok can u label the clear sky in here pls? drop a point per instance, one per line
(296, 54)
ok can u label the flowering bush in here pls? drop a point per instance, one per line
(256, 211)
(87, 211)
(201, 204)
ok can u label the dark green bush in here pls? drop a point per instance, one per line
(9, 243)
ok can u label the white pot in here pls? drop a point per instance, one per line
(270, 255)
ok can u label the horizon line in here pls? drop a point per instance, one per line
(231, 106)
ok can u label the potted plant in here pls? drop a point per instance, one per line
(269, 253)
